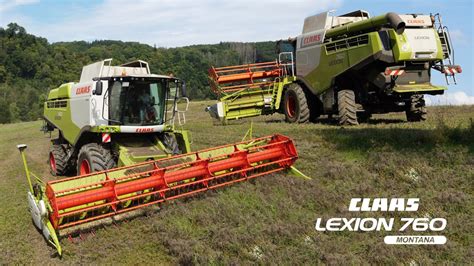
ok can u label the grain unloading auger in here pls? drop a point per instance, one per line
(74, 201)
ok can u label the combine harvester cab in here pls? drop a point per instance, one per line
(351, 66)
(115, 116)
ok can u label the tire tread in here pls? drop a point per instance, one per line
(101, 157)
(60, 158)
(304, 113)
(347, 107)
(416, 110)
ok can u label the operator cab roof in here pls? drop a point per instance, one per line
(326, 20)
(150, 76)
(357, 13)
(104, 70)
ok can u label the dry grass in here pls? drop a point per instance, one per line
(271, 219)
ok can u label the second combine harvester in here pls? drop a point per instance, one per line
(351, 66)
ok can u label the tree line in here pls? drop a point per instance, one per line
(30, 66)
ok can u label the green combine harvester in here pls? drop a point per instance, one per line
(350, 66)
(117, 128)
(115, 116)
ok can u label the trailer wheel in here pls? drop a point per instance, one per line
(295, 105)
(57, 159)
(347, 107)
(416, 110)
(93, 158)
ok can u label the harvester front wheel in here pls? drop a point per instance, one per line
(416, 110)
(347, 108)
(57, 159)
(93, 158)
(295, 105)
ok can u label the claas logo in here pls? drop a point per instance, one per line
(416, 21)
(311, 39)
(83, 90)
(144, 130)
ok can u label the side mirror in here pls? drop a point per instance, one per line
(98, 88)
(183, 89)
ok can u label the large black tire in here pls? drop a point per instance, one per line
(347, 108)
(57, 159)
(170, 142)
(295, 105)
(416, 109)
(94, 157)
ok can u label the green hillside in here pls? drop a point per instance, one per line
(30, 65)
(271, 219)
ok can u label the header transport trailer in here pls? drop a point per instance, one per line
(350, 66)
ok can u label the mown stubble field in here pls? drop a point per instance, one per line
(272, 219)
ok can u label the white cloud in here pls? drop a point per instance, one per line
(458, 36)
(450, 98)
(183, 22)
(10, 4)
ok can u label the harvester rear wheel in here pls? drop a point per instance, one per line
(347, 108)
(416, 110)
(57, 159)
(295, 105)
(93, 158)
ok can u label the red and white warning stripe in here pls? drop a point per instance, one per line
(106, 137)
(451, 70)
(396, 72)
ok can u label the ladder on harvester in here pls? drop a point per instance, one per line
(288, 69)
(275, 89)
(447, 66)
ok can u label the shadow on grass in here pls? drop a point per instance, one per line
(400, 139)
(386, 121)
(334, 122)
(276, 121)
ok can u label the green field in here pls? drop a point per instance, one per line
(272, 218)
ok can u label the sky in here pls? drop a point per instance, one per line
(172, 23)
